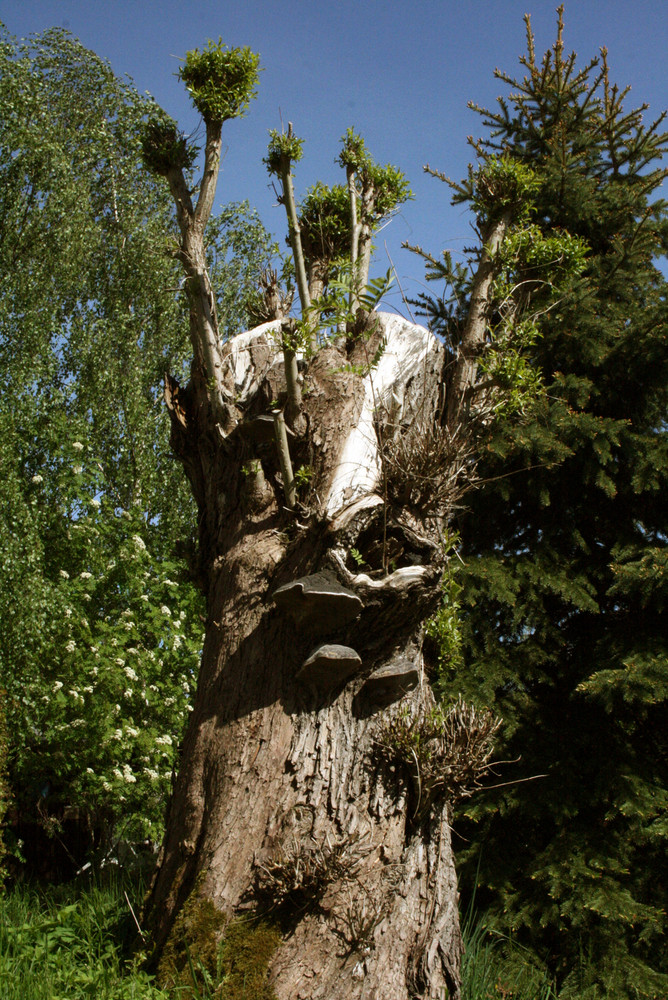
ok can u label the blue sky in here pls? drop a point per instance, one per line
(400, 72)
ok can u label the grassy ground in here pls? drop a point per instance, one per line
(494, 968)
(67, 943)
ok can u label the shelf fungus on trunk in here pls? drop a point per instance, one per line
(318, 603)
(329, 665)
(390, 682)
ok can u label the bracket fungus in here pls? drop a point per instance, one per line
(318, 602)
(390, 682)
(329, 665)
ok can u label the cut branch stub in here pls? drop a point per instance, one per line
(318, 602)
(329, 665)
(390, 682)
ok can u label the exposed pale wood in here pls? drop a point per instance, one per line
(407, 348)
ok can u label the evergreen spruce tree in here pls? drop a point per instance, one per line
(565, 552)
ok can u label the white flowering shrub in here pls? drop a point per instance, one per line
(100, 669)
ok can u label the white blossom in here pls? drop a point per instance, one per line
(77, 469)
(139, 543)
(57, 686)
(153, 775)
(117, 734)
(68, 612)
(182, 615)
(88, 689)
(129, 626)
(127, 693)
(168, 702)
(71, 646)
(89, 770)
(77, 445)
(37, 479)
(144, 597)
(119, 661)
(95, 503)
(85, 576)
(171, 583)
(131, 731)
(132, 651)
(130, 674)
(65, 575)
(86, 597)
(164, 741)
(177, 642)
(165, 610)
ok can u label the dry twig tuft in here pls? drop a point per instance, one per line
(429, 468)
(303, 870)
(447, 753)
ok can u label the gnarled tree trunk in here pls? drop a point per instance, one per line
(284, 804)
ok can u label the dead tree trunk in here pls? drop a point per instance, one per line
(284, 805)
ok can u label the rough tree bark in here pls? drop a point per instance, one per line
(280, 764)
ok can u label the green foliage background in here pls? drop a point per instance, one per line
(100, 621)
(565, 548)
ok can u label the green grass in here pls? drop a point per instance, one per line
(65, 943)
(496, 968)
(69, 943)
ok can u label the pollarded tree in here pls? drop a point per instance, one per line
(317, 775)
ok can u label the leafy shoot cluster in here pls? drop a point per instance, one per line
(221, 81)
